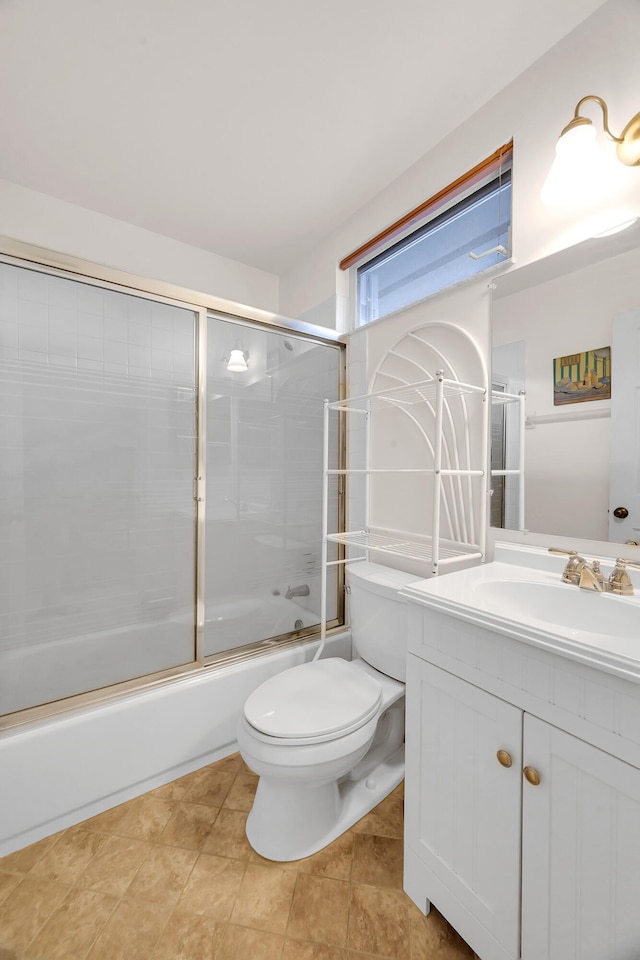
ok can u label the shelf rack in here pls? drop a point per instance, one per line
(501, 398)
(423, 400)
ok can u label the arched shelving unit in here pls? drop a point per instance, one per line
(424, 447)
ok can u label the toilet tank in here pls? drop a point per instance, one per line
(378, 616)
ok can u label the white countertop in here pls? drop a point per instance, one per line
(533, 606)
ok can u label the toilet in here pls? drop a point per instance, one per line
(327, 737)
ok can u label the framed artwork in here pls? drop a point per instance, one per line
(582, 376)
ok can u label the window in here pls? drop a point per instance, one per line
(469, 236)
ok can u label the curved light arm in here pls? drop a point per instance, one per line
(605, 116)
(628, 149)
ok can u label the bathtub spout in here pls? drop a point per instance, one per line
(302, 591)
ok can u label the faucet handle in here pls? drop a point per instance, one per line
(574, 566)
(620, 581)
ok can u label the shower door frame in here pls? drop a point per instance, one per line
(28, 256)
(323, 628)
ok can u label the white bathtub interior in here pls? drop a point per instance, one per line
(237, 621)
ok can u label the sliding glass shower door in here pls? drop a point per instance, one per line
(97, 453)
(264, 482)
(144, 526)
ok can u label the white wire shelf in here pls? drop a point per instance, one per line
(425, 470)
(404, 546)
(498, 397)
(447, 430)
(407, 395)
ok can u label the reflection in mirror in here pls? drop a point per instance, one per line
(580, 455)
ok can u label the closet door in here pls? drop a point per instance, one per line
(581, 851)
(462, 817)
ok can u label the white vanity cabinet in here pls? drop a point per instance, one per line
(462, 808)
(580, 850)
(541, 871)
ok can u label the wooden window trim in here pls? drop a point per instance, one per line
(468, 179)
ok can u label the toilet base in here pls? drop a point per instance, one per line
(291, 822)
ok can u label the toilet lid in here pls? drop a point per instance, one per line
(313, 700)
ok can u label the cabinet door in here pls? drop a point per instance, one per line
(462, 816)
(581, 851)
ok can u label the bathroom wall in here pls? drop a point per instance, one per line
(599, 57)
(45, 221)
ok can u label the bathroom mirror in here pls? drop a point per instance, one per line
(578, 301)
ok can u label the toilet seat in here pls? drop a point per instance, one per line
(313, 702)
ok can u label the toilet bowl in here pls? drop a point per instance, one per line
(327, 737)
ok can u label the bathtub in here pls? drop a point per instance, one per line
(60, 771)
(39, 673)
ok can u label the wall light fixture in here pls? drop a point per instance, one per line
(574, 162)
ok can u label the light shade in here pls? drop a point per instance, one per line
(237, 362)
(575, 166)
(574, 170)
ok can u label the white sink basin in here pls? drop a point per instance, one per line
(535, 606)
(562, 605)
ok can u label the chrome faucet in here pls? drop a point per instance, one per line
(587, 574)
(301, 591)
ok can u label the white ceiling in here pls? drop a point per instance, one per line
(250, 128)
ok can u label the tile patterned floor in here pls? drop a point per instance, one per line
(171, 876)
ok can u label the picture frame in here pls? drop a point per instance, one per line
(581, 377)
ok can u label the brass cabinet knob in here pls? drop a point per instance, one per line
(504, 758)
(532, 776)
